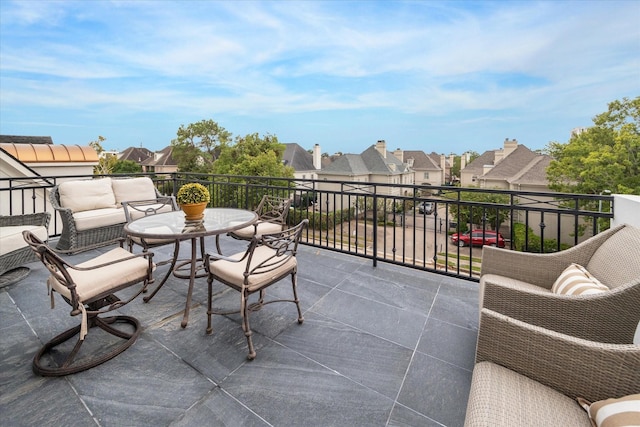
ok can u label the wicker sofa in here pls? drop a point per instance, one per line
(14, 251)
(526, 375)
(91, 210)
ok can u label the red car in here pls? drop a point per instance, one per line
(475, 238)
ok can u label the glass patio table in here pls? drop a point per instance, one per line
(173, 226)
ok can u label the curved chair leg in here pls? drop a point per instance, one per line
(245, 308)
(174, 259)
(68, 366)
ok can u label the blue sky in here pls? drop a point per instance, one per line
(423, 75)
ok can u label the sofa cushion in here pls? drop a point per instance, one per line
(125, 190)
(612, 262)
(263, 227)
(621, 412)
(576, 280)
(11, 237)
(88, 220)
(86, 195)
(502, 397)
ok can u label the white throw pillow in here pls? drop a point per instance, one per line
(86, 195)
(576, 280)
(126, 190)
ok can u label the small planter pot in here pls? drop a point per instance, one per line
(194, 211)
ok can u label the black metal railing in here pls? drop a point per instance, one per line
(382, 222)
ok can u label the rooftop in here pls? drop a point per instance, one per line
(380, 346)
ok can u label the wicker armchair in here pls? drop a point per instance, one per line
(528, 375)
(17, 223)
(519, 284)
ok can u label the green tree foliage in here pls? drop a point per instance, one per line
(489, 212)
(604, 157)
(196, 146)
(126, 166)
(253, 155)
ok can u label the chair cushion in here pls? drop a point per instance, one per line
(622, 412)
(86, 195)
(11, 237)
(125, 190)
(103, 280)
(233, 272)
(262, 228)
(502, 397)
(87, 220)
(576, 280)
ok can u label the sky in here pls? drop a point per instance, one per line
(443, 76)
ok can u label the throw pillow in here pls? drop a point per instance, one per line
(576, 280)
(624, 411)
(87, 195)
(125, 190)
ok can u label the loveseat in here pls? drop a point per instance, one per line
(14, 251)
(91, 210)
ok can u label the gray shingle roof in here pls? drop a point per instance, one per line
(136, 154)
(421, 161)
(535, 173)
(20, 139)
(297, 157)
(511, 165)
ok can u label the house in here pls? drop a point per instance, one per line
(304, 164)
(425, 170)
(160, 162)
(374, 165)
(135, 154)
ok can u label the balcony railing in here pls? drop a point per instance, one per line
(381, 221)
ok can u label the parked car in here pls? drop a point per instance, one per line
(425, 208)
(474, 237)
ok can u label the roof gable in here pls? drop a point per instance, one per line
(297, 157)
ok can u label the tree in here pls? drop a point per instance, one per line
(196, 146)
(492, 214)
(253, 155)
(106, 162)
(126, 166)
(606, 157)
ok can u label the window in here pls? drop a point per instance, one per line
(425, 175)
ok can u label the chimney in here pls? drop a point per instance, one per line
(398, 154)
(317, 157)
(510, 146)
(381, 146)
(452, 159)
(443, 166)
(463, 161)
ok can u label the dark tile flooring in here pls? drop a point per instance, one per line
(380, 346)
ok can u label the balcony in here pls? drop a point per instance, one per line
(379, 346)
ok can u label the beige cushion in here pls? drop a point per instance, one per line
(125, 190)
(233, 272)
(87, 195)
(622, 412)
(576, 280)
(87, 220)
(502, 397)
(103, 280)
(263, 228)
(11, 237)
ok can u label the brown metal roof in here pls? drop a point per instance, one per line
(38, 153)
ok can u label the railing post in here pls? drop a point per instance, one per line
(375, 228)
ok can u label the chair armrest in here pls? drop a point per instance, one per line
(573, 366)
(540, 269)
(39, 219)
(610, 316)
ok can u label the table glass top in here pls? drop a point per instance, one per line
(173, 224)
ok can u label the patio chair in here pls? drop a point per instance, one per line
(269, 259)
(521, 285)
(89, 289)
(272, 214)
(14, 252)
(140, 208)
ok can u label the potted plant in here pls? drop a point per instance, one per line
(193, 199)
